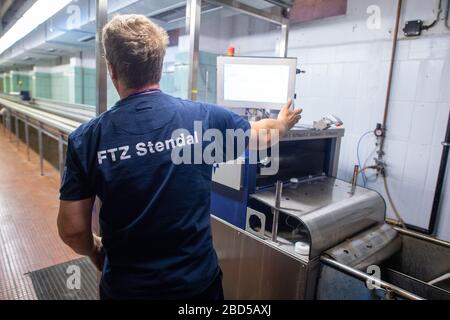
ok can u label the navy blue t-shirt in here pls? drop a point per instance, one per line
(155, 214)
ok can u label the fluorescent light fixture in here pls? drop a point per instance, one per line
(40, 11)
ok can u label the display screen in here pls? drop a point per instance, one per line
(250, 82)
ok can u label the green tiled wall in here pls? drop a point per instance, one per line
(42, 85)
(7, 83)
(73, 85)
(85, 86)
(20, 82)
(60, 86)
(79, 84)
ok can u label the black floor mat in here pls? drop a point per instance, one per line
(72, 280)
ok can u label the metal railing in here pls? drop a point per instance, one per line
(55, 120)
(386, 286)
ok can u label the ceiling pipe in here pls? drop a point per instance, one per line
(380, 151)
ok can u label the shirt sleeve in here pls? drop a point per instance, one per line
(75, 184)
(235, 131)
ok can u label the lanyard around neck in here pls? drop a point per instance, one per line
(147, 91)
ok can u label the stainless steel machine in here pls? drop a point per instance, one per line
(299, 232)
(304, 234)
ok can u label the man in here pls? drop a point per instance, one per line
(156, 236)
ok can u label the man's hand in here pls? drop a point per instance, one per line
(288, 116)
(98, 255)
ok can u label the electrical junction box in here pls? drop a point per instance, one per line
(413, 28)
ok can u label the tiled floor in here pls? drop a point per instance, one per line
(28, 209)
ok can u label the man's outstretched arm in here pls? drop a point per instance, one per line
(262, 129)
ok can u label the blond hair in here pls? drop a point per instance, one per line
(135, 47)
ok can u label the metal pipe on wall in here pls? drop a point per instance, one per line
(380, 151)
(390, 74)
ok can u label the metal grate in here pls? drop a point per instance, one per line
(59, 282)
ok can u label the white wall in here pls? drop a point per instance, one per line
(347, 67)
